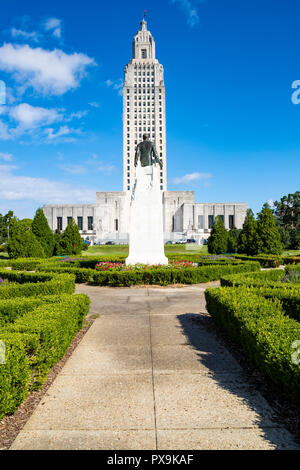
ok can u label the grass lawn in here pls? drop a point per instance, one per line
(116, 250)
(291, 253)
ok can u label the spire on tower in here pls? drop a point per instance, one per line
(144, 22)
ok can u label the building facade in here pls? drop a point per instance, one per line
(144, 111)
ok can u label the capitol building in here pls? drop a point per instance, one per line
(144, 111)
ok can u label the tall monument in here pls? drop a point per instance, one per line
(144, 108)
(146, 235)
(144, 113)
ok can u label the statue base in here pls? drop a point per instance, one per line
(146, 238)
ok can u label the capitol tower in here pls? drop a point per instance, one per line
(144, 107)
(144, 112)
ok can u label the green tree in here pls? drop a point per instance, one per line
(43, 232)
(70, 242)
(233, 237)
(269, 239)
(4, 225)
(218, 240)
(287, 215)
(248, 241)
(22, 242)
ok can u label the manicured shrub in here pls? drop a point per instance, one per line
(15, 373)
(166, 276)
(266, 261)
(262, 329)
(31, 284)
(248, 240)
(70, 242)
(233, 237)
(269, 239)
(43, 233)
(22, 242)
(259, 279)
(12, 308)
(218, 240)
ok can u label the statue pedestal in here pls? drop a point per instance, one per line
(146, 237)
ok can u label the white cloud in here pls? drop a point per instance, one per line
(29, 116)
(192, 177)
(40, 190)
(48, 72)
(73, 169)
(20, 34)
(54, 25)
(116, 85)
(4, 131)
(6, 157)
(64, 134)
(190, 11)
(100, 166)
(94, 104)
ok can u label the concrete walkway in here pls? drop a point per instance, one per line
(148, 375)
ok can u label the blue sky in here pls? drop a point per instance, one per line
(232, 128)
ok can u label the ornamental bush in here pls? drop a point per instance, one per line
(269, 239)
(32, 284)
(218, 240)
(43, 233)
(70, 242)
(22, 242)
(263, 330)
(15, 373)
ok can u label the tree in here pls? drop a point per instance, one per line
(233, 237)
(70, 242)
(22, 242)
(287, 210)
(43, 232)
(218, 240)
(269, 239)
(4, 225)
(248, 241)
(287, 215)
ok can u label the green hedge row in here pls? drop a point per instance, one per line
(31, 284)
(288, 297)
(34, 343)
(259, 279)
(163, 276)
(262, 329)
(11, 309)
(266, 261)
(168, 276)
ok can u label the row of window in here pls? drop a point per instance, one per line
(211, 219)
(90, 222)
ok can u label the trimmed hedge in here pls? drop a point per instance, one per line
(259, 279)
(166, 276)
(11, 309)
(289, 298)
(266, 261)
(262, 329)
(35, 341)
(82, 275)
(30, 284)
(15, 374)
(160, 276)
(52, 326)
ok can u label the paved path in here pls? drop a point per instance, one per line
(148, 375)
